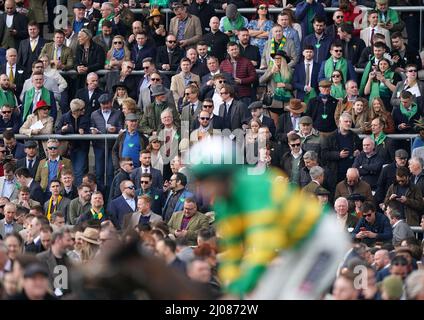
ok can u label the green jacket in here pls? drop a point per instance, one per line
(151, 117)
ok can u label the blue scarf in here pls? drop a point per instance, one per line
(118, 54)
(324, 96)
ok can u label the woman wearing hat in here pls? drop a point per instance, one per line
(90, 244)
(121, 93)
(155, 27)
(154, 148)
(278, 80)
(39, 122)
(117, 54)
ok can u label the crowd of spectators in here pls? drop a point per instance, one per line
(311, 92)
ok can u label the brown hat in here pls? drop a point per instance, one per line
(325, 83)
(296, 106)
(91, 235)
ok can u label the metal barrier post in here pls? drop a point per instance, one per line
(421, 28)
(106, 155)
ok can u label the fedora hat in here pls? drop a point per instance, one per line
(154, 13)
(296, 106)
(158, 90)
(120, 85)
(91, 235)
(41, 104)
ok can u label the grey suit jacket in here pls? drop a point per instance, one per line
(16, 228)
(144, 98)
(15, 189)
(366, 35)
(47, 258)
(73, 44)
(62, 207)
(186, 114)
(131, 220)
(238, 113)
(288, 48)
(97, 121)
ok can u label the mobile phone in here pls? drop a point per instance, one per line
(344, 149)
(398, 197)
(363, 229)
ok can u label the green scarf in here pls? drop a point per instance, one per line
(378, 88)
(6, 97)
(281, 94)
(29, 97)
(236, 25)
(280, 46)
(365, 76)
(340, 65)
(97, 215)
(338, 91)
(380, 139)
(391, 15)
(109, 18)
(409, 113)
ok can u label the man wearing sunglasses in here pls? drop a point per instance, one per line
(372, 227)
(145, 96)
(337, 62)
(125, 77)
(124, 204)
(125, 167)
(169, 56)
(215, 121)
(212, 64)
(292, 161)
(8, 118)
(155, 194)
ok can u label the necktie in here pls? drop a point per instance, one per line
(11, 77)
(334, 65)
(36, 98)
(55, 54)
(372, 36)
(308, 70)
(33, 45)
(168, 147)
(146, 170)
(30, 161)
(192, 109)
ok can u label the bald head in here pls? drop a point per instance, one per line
(381, 259)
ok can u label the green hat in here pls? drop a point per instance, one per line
(212, 157)
(393, 286)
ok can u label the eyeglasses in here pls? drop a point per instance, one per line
(155, 79)
(52, 148)
(222, 81)
(412, 70)
(45, 109)
(3, 151)
(221, 93)
(171, 41)
(204, 118)
(262, 8)
(82, 109)
(366, 215)
(339, 17)
(129, 67)
(335, 76)
(208, 106)
(130, 164)
(144, 182)
(144, 68)
(187, 93)
(117, 42)
(131, 187)
(295, 145)
(337, 50)
(6, 112)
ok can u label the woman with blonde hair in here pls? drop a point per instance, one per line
(128, 105)
(121, 93)
(117, 54)
(278, 78)
(378, 110)
(90, 244)
(155, 147)
(360, 116)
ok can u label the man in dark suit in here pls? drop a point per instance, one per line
(256, 111)
(104, 121)
(306, 85)
(215, 122)
(90, 94)
(216, 39)
(18, 76)
(212, 64)
(352, 46)
(289, 122)
(123, 77)
(168, 57)
(92, 15)
(232, 111)
(142, 49)
(124, 204)
(145, 167)
(8, 118)
(16, 149)
(125, 167)
(155, 194)
(11, 36)
(30, 48)
(30, 161)
(24, 177)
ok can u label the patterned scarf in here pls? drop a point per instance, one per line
(118, 54)
(280, 47)
(97, 215)
(52, 208)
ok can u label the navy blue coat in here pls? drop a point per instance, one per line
(157, 179)
(399, 118)
(73, 128)
(322, 52)
(299, 79)
(381, 226)
(301, 13)
(14, 123)
(157, 199)
(117, 209)
(137, 55)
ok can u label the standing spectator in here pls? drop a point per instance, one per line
(388, 175)
(69, 190)
(29, 49)
(388, 18)
(309, 135)
(141, 50)
(248, 50)
(256, 110)
(30, 160)
(15, 72)
(122, 77)
(416, 166)
(104, 39)
(243, 72)
(367, 33)
(123, 173)
(213, 66)
(81, 205)
(8, 225)
(322, 109)
(346, 220)
(90, 94)
(104, 121)
(185, 27)
(150, 123)
(369, 163)
(129, 142)
(124, 204)
(8, 118)
(188, 223)
(403, 54)
(284, 20)
(216, 39)
(232, 22)
(384, 145)
(155, 194)
(232, 111)
(317, 178)
(306, 12)
(181, 80)
(56, 202)
(14, 148)
(191, 106)
(204, 11)
(168, 57)
(278, 78)
(407, 196)
(166, 249)
(145, 97)
(60, 55)
(97, 213)
(305, 76)
(108, 14)
(176, 195)
(74, 122)
(155, 27)
(15, 26)
(278, 42)
(411, 84)
(352, 184)
(346, 104)
(319, 39)
(146, 167)
(373, 226)
(292, 161)
(259, 29)
(407, 113)
(370, 61)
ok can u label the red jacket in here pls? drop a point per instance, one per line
(245, 71)
(350, 16)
